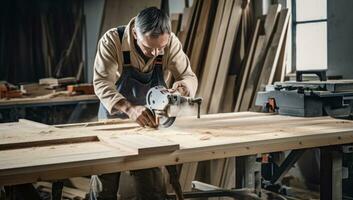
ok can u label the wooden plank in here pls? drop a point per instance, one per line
(228, 176)
(45, 143)
(183, 29)
(57, 81)
(226, 57)
(256, 68)
(212, 65)
(141, 143)
(271, 60)
(247, 65)
(68, 154)
(187, 175)
(188, 18)
(58, 97)
(200, 38)
(34, 89)
(211, 48)
(283, 58)
(246, 98)
(227, 105)
(216, 169)
(191, 28)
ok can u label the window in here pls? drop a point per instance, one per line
(309, 34)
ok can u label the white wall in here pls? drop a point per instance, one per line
(340, 38)
(93, 10)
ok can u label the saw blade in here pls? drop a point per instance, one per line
(166, 122)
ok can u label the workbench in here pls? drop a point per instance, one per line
(48, 108)
(31, 151)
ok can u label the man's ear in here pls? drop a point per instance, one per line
(134, 33)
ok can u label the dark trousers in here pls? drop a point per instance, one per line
(149, 185)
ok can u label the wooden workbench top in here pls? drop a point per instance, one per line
(30, 151)
(47, 99)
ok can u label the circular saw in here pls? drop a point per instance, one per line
(166, 105)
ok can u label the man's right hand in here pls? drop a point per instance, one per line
(140, 114)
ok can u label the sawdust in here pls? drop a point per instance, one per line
(46, 132)
(205, 137)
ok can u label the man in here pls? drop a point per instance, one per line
(129, 61)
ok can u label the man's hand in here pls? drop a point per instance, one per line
(181, 88)
(140, 114)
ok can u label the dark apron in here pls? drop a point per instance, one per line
(134, 85)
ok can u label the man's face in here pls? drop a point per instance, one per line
(151, 46)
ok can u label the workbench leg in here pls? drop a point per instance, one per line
(248, 173)
(330, 173)
(57, 189)
(174, 181)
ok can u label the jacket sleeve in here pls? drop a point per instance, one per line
(106, 73)
(179, 66)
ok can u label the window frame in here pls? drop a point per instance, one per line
(294, 32)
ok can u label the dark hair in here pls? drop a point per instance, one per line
(152, 21)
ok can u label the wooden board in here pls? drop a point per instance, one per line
(247, 65)
(282, 60)
(187, 175)
(227, 104)
(207, 67)
(211, 137)
(57, 81)
(247, 94)
(225, 58)
(201, 36)
(257, 65)
(271, 60)
(212, 65)
(190, 29)
(57, 97)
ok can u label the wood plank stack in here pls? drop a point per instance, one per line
(233, 55)
(263, 61)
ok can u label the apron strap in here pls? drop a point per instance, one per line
(126, 54)
(121, 30)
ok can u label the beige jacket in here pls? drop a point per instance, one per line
(108, 65)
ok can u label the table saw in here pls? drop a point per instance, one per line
(309, 98)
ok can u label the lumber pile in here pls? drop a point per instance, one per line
(263, 61)
(233, 54)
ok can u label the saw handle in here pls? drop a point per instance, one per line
(198, 100)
